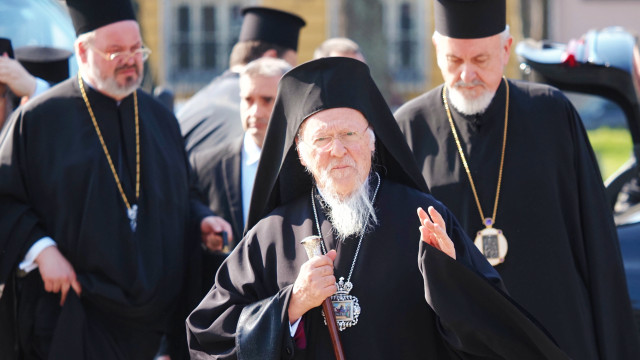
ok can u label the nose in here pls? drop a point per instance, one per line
(130, 59)
(337, 148)
(261, 110)
(468, 73)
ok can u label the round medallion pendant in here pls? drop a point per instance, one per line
(492, 244)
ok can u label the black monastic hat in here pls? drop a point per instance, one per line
(47, 63)
(470, 19)
(88, 15)
(271, 25)
(5, 47)
(317, 85)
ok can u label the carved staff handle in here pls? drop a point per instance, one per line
(313, 248)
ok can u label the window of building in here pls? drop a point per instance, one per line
(183, 41)
(202, 34)
(405, 28)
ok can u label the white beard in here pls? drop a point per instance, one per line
(109, 85)
(469, 106)
(352, 215)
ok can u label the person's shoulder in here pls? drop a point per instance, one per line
(214, 156)
(54, 96)
(52, 104)
(537, 91)
(407, 193)
(288, 213)
(418, 106)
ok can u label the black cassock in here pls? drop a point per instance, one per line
(55, 181)
(563, 264)
(212, 115)
(245, 314)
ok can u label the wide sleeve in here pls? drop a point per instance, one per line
(20, 226)
(602, 268)
(476, 319)
(244, 316)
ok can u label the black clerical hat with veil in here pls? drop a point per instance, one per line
(88, 15)
(314, 86)
(470, 19)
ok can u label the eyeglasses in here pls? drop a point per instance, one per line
(347, 138)
(124, 56)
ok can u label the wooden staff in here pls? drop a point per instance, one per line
(313, 248)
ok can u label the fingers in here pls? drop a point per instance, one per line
(422, 215)
(437, 218)
(315, 282)
(434, 232)
(211, 228)
(63, 293)
(213, 241)
(76, 287)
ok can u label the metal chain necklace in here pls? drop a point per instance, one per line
(490, 241)
(132, 210)
(345, 306)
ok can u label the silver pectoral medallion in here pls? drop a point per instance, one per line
(345, 306)
(492, 244)
(132, 214)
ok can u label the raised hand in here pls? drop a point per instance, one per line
(434, 232)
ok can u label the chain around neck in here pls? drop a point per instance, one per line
(324, 250)
(104, 146)
(492, 220)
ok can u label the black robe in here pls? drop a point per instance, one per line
(212, 115)
(563, 264)
(55, 181)
(245, 314)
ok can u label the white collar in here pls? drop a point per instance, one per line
(251, 151)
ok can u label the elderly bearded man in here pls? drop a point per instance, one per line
(96, 203)
(359, 192)
(514, 156)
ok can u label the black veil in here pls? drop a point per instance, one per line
(314, 86)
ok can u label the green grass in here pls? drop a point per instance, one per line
(612, 147)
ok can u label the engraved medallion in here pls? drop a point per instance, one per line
(345, 306)
(492, 244)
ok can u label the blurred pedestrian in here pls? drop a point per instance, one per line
(96, 203)
(210, 117)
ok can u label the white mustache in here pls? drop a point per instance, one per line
(346, 161)
(462, 84)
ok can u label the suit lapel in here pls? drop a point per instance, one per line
(231, 168)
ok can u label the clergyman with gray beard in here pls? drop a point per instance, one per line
(512, 161)
(403, 285)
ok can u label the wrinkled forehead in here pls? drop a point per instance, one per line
(333, 120)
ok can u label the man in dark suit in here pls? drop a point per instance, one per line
(226, 172)
(209, 117)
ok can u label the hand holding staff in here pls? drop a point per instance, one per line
(313, 249)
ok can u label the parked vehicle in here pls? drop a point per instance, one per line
(604, 63)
